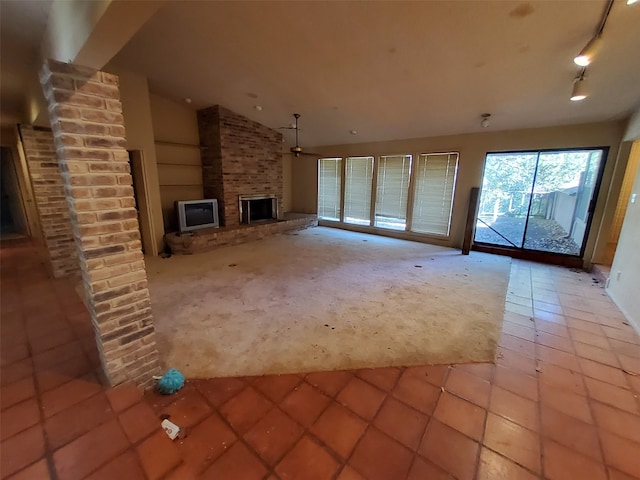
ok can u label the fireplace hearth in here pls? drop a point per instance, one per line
(257, 208)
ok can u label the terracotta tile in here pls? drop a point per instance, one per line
(361, 398)
(304, 404)
(349, 473)
(625, 348)
(550, 317)
(307, 460)
(611, 395)
(273, 435)
(218, 390)
(622, 335)
(433, 374)
(567, 402)
(378, 456)
(21, 450)
(329, 383)
(585, 325)
(519, 309)
(558, 357)
(188, 408)
(481, 370)
(630, 364)
(516, 382)
(276, 387)
(383, 378)
(596, 354)
(123, 466)
(183, 472)
(16, 371)
(561, 378)
(401, 422)
(554, 341)
(55, 339)
(425, 470)
(496, 467)
(539, 305)
(450, 450)
(617, 421)
(204, 443)
(17, 392)
(77, 420)
(69, 394)
(14, 353)
(19, 417)
(561, 463)
(514, 407)
(524, 333)
(64, 372)
(139, 421)
(513, 441)
(553, 328)
(416, 392)
(237, 463)
(598, 339)
(461, 415)
(518, 345)
(158, 454)
(621, 453)
(605, 373)
(616, 475)
(511, 359)
(572, 433)
(245, 409)
(523, 320)
(86, 453)
(57, 355)
(469, 387)
(36, 471)
(123, 396)
(339, 429)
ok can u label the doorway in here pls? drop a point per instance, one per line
(539, 201)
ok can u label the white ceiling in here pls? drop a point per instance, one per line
(390, 69)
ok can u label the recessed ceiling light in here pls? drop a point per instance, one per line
(353, 132)
(187, 100)
(484, 123)
(258, 108)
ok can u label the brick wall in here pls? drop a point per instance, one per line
(51, 203)
(241, 157)
(88, 127)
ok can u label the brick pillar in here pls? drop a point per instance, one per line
(51, 203)
(88, 127)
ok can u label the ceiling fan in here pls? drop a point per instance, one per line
(297, 149)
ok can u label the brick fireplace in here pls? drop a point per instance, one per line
(240, 158)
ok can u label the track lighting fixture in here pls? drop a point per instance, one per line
(484, 123)
(579, 91)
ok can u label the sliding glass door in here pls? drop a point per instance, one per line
(539, 201)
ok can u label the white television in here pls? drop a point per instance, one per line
(197, 214)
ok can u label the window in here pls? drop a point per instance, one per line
(392, 192)
(357, 190)
(329, 188)
(433, 200)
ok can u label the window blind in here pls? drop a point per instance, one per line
(392, 191)
(434, 189)
(329, 188)
(357, 190)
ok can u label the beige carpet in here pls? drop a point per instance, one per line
(325, 299)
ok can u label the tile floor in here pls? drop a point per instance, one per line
(561, 402)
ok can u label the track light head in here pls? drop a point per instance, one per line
(484, 123)
(579, 91)
(586, 55)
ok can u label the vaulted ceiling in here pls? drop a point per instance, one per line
(394, 69)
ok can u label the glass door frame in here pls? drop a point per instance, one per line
(545, 256)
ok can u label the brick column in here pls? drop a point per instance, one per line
(51, 203)
(88, 127)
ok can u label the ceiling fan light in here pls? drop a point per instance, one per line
(585, 57)
(579, 91)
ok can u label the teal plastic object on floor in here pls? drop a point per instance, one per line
(171, 382)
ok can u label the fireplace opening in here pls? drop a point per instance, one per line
(258, 208)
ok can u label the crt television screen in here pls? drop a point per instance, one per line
(198, 214)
